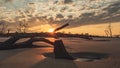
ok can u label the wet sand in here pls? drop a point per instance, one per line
(88, 54)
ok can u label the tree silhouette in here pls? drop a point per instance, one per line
(108, 31)
(3, 27)
(22, 27)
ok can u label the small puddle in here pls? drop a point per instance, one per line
(84, 60)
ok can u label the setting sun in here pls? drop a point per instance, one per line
(51, 30)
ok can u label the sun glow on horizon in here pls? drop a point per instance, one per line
(51, 30)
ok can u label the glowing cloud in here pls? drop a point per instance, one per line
(76, 12)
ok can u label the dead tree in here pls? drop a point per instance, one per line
(108, 31)
(3, 27)
(59, 48)
(22, 27)
(8, 30)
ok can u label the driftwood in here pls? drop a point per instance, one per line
(59, 49)
(8, 44)
(11, 43)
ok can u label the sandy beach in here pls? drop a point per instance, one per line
(96, 53)
(59, 33)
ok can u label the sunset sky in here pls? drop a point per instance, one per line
(84, 16)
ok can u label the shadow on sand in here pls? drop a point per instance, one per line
(89, 56)
(50, 62)
(55, 63)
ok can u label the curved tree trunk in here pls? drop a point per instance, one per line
(59, 48)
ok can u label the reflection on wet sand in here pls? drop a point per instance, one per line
(35, 58)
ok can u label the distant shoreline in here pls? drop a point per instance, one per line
(59, 34)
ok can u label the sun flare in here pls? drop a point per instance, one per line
(51, 30)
